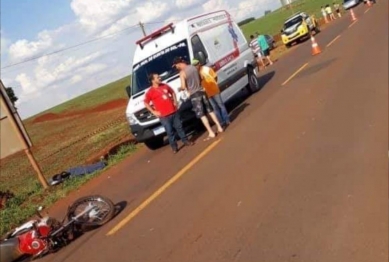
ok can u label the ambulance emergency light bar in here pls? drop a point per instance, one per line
(155, 34)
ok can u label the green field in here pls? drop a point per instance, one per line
(101, 95)
(272, 23)
(64, 142)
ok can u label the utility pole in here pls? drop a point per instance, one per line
(142, 26)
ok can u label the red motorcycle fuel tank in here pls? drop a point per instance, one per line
(31, 244)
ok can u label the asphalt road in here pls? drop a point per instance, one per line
(300, 175)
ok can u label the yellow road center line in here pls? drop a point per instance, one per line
(163, 188)
(333, 41)
(301, 68)
(352, 23)
(367, 10)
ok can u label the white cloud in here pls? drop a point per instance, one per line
(152, 10)
(213, 5)
(255, 6)
(173, 18)
(93, 14)
(75, 79)
(26, 84)
(147, 12)
(51, 79)
(93, 68)
(188, 3)
(23, 49)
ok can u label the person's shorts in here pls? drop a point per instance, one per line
(266, 52)
(258, 55)
(200, 104)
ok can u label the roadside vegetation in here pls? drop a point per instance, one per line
(25, 203)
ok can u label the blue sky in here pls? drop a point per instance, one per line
(24, 19)
(33, 28)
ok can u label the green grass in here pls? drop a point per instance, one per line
(23, 206)
(272, 23)
(101, 95)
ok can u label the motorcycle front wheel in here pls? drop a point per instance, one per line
(101, 210)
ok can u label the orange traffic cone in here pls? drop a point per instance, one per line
(353, 18)
(315, 47)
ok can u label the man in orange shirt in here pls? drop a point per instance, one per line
(209, 82)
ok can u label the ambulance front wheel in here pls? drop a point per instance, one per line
(253, 85)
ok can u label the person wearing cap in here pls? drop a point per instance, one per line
(209, 82)
(191, 82)
(165, 108)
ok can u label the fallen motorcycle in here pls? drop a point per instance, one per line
(44, 235)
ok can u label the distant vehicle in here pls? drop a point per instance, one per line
(212, 38)
(347, 4)
(298, 27)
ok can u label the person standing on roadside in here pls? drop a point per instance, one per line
(330, 13)
(190, 81)
(264, 46)
(165, 108)
(324, 14)
(257, 52)
(337, 9)
(209, 82)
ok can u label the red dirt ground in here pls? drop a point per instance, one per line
(104, 107)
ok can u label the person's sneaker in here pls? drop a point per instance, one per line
(175, 151)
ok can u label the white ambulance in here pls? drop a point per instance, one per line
(215, 40)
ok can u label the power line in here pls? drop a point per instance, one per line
(75, 46)
(142, 26)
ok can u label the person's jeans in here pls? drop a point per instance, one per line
(170, 123)
(220, 109)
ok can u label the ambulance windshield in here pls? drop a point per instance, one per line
(160, 63)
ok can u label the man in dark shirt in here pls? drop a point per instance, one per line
(165, 108)
(191, 82)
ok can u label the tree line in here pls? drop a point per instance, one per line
(11, 95)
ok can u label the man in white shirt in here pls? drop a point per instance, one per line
(257, 52)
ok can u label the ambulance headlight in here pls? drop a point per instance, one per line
(132, 119)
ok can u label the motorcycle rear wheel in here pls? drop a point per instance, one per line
(105, 211)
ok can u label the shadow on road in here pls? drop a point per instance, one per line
(315, 68)
(119, 207)
(237, 111)
(236, 105)
(263, 80)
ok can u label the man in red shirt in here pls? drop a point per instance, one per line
(165, 108)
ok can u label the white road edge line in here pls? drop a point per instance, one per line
(352, 23)
(333, 41)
